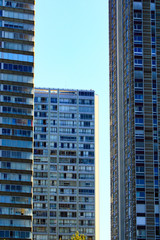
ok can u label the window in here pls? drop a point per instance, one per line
(140, 182)
(20, 36)
(137, 14)
(138, 84)
(53, 100)
(140, 195)
(18, 25)
(141, 221)
(138, 38)
(14, 154)
(139, 169)
(138, 27)
(86, 93)
(139, 121)
(16, 57)
(86, 116)
(18, 46)
(86, 102)
(11, 14)
(138, 51)
(18, 5)
(153, 51)
(138, 74)
(16, 78)
(67, 108)
(86, 109)
(138, 62)
(139, 97)
(138, 108)
(137, 5)
(15, 67)
(68, 100)
(139, 157)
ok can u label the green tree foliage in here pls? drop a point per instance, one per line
(76, 236)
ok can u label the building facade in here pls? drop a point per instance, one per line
(135, 118)
(65, 164)
(16, 118)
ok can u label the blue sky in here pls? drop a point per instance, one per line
(71, 51)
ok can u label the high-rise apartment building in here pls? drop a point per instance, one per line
(16, 117)
(135, 118)
(65, 164)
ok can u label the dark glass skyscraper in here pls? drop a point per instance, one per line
(135, 118)
(16, 117)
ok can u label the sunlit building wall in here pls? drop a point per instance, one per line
(65, 146)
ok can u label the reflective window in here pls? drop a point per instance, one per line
(141, 221)
(68, 100)
(14, 199)
(14, 110)
(20, 100)
(14, 154)
(15, 234)
(138, 62)
(16, 35)
(16, 177)
(86, 109)
(16, 67)
(14, 88)
(67, 108)
(17, 121)
(138, 27)
(138, 84)
(17, 25)
(15, 222)
(18, 46)
(16, 57)
(86, 101)
(138, 97)
(16, 4)
(138, 51)
(137, 14)
(18, 15)
(137, 38)
(15, 188)
(15, 211)
(137, 5)
(16, 132)
(16, 143)
(140, 195)
(139, 182)
(16, 78)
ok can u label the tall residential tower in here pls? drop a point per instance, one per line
(16, 117)
(65, 164)
(135, 118)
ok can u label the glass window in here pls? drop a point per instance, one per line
(18, 46)
(138, 62)
(16, 67)
(138, 38)
(11, 14)
(16, 57)
(138, 27)
(140, 195)
(137, 5)
(141, 221)
(16, 78)
(18, 25)
(138, 51)
(137, 14)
